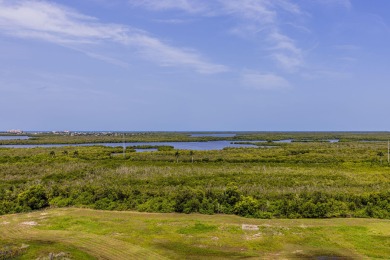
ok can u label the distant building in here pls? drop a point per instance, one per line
(15, 131)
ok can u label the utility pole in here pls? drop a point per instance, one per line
(388, 151)
(124, 146)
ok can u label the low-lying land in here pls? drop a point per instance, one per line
(289, 180)
(307, 179)
(116, 137)
(91, 234)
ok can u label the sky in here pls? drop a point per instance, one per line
(195, 65)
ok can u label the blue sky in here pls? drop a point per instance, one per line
(177, 65)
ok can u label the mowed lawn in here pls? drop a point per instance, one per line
(91, 234)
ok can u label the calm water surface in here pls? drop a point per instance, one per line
(146, 150)
(201, 146)
(19, 137)
(291, 140)
(213, 135)
(284, 141)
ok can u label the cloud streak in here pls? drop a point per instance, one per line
(263, 17)
(257, 19)
(264, 81)
(61, 25)
(344, 3)
(166, 55)
(189, 6)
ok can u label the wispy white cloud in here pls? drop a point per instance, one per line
(104, 58)
(184, 5)
(254, 10)
(288, 6)
(346, 53)
(256, 19)
(286, 52)
(264, 81)
(263, 21)
(55, 23)
(166, 55)
(61, 25)
(283, 42)
(261, 18)
(172, 21)
(343, 3)
(287, 61)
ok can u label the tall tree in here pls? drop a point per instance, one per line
(177, 154)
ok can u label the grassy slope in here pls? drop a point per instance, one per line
(90, 234)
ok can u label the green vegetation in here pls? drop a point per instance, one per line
(346, 182)
(91, 234)
(80, 138)
(289, 180)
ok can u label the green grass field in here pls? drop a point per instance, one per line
(91, 234)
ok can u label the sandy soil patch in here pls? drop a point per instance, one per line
(249, 227)
(255, 236)
(29, 223)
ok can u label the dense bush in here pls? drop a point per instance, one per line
(188, 200)
(297, 180)
(33, 198)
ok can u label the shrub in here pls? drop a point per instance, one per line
(247, 207)
(33, 198)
